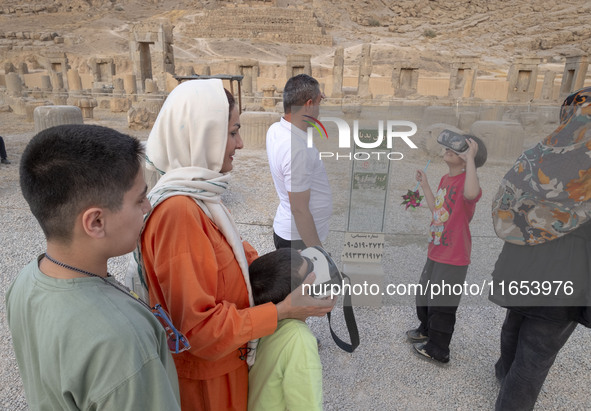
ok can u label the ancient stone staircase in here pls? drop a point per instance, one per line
(272, 24)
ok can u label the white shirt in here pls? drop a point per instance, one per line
(296, 168)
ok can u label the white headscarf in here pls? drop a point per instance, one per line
(186, 147)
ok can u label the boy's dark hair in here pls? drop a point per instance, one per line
(481, 154)
(274, 275)
(66, 169)
(298, 90)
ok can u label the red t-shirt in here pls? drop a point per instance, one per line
(450, 241)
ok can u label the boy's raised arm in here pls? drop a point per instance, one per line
(424, 183)
(471, 185)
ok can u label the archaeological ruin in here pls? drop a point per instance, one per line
(525, 94)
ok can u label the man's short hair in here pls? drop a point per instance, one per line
(298, 90)
(274, 275)
(68, 168)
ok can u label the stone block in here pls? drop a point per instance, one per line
(86, 104)
(503, 139)
(49, 116)
(30, 107)
(254, 126)
(129, 84)
(143, 115)
(467, 118)
(150, 86)
(120, 104)
(14, 84)
(494, 113)
(438, 114)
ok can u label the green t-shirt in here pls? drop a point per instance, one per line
(287, 373)
(82, 344)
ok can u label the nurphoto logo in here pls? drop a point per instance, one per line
(363, 140)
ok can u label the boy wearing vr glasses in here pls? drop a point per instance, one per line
(452, 208)
(287, 373)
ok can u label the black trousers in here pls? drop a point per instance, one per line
(528, 349)
(283, 243)
(2, 149)
(437, 314)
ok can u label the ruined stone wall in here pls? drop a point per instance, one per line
(20, 9)
(273, 24)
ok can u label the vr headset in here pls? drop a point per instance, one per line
(327, 274)
(454, 141)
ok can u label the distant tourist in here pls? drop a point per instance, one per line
(3, 155)
(450, 242)
(542, 273)
(305, 201)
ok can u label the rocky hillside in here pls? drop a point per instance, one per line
(426, 32)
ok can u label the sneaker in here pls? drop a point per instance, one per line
(4, 161)
(420, 349)
(415, 336)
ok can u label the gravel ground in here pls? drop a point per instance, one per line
(383, 373)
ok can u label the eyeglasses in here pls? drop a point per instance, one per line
(177, 342)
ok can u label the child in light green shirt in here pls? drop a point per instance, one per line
(287, 373)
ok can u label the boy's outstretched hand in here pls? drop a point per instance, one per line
(421, 177)
(301, 306)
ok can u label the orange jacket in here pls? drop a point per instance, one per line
(192, 272)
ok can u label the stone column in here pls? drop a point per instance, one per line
(548, 86)
(130, 85)
(150, 86)
(57, 81)
(22, 69)
(49, 116)
(365, 68)
(405, 79)
(337, 72)
(118, 87)
(14, 85)
(522, 78)
(462, 77)
(574, 74)
(46, 83)
(74, 80)
(254, 127)
(87, 105)
(269, 96)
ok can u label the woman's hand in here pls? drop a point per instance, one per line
(300, 305)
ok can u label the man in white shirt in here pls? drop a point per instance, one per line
(303, 216)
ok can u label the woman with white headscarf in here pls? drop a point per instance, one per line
(194, 262)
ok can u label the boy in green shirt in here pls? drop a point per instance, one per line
(81, 340)
(287, 373)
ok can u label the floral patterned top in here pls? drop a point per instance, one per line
(546, 193)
